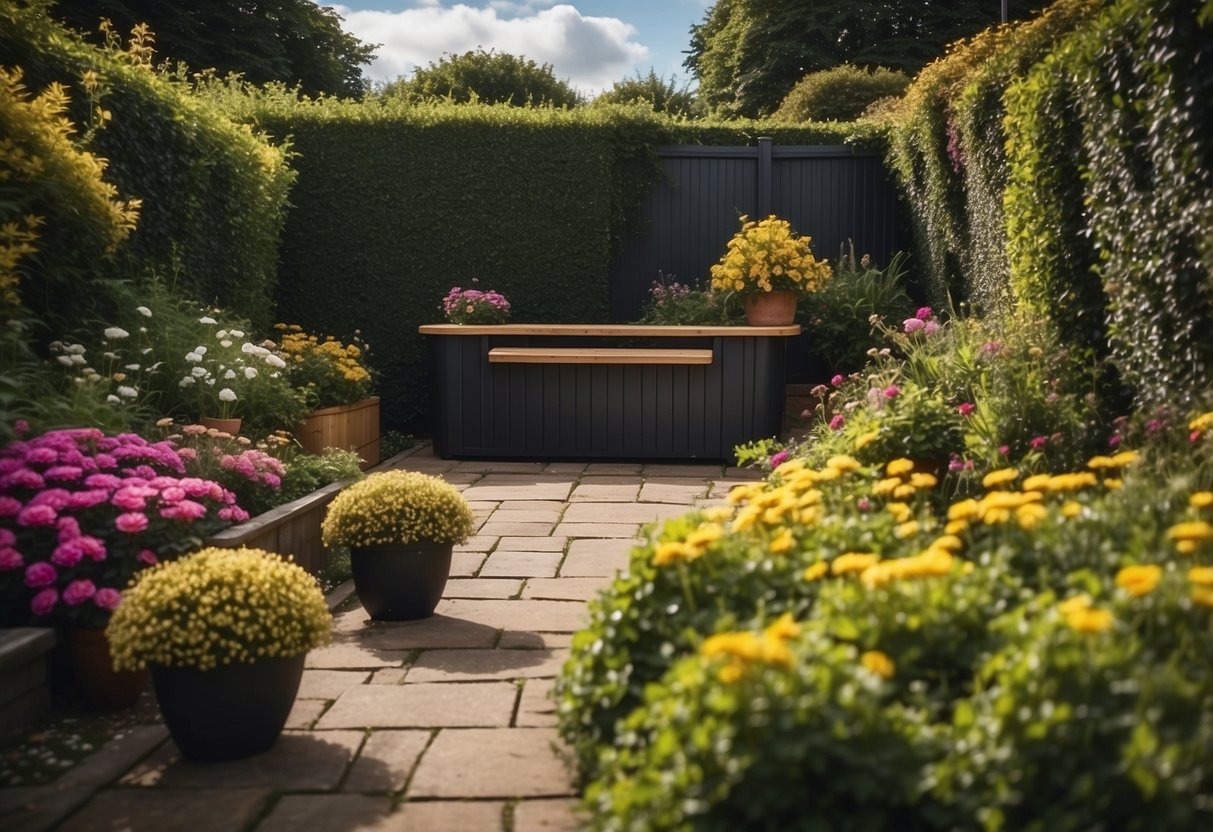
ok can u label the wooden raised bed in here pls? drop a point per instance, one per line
(592, 391)
(290, 529)
(349, 427)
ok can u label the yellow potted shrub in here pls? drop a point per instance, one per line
(769, 265)
(401, 527)
(225, 633)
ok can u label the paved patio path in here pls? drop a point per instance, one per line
(435, 725)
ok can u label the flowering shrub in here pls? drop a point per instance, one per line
(218, 607)
(397, 507)
(472, 306)
(224, 374)
(675, 304)
(80, 512)
(767, 255)
(327, 371)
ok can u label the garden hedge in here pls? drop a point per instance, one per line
(397, 203)
(213, 194)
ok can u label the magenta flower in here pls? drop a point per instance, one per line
(1114, 440)
(965, 409)
(107, 598)
(779, 458)
(838, 421)
(87, 499)
(33, 515)
(892, 391)
(64, 473)
(92, 547)
(77, 592)
(129, 499)
(173, 494)
(131, 522)
(40, 574)
(20, 427)
(10, 559)
(107, 481)
(233, 514)
(68, 554)
(863, 504)
(147, 557)
(1038, 443)
(930, 328)
(1004, 449)
(912, 325)
(9, 506)
(923, 313)
(837, 380)
(69, 529)
(44, 602)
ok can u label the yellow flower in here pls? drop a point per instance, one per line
(901, 512)
(1071, 509)
(1139, 580)
(956, 527)
(964, 510)
(1196, 530)
(923, 480)
(1000, 477)
(731, 673)
(1202, 575)
(898, 467)
(1186, 547)
(1202, 422)
(853, 562)
(1097, 463)
(784, 628)
(1124, 458)
(907, 529)
(1028, 516)
(1090, 621)
(742, 493)
(1201, 499)
(1036, 482)
(878, 663)
(843, 463)
(866, 439)
(1203, 595)
(816, 572)
(672, 552)
(704, 536)
(1072, 482)
(782, 543)
(948, 543)
(903, 492)
(1074, 604)
(791, 466)
(1114, 483)
(887, 486)
(717, 514)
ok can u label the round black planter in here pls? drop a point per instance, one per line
(401, 582)
(230, 712)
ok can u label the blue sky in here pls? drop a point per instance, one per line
(590, 43)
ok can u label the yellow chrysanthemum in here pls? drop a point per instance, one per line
(1202, 575)
(1201, 499)
(1139, 580)
(898, 467)
(878, 663)
(1195, 530)
(1000, 477)
(816, 572)
(863, 440)
(1089, 620)
(853, 562)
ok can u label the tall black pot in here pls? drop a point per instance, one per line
(401, 581)
(231, 711)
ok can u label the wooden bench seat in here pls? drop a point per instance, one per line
(596, 355)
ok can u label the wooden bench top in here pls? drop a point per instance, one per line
(610, 330)
(596, 355)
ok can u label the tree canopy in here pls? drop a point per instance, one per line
(294, 41)
(663, 96)
(748, 54)
(489, 77)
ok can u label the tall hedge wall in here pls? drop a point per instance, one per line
(213, 194)
(397, 203)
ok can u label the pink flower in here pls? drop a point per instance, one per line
(1004, 449)
(147, 557)
(40, 574)
(233, 514)
(23, 478)
(838, 421)
(779, 458)
(64, 473)
(68, 554)
(77, 592)
(87, 499)
(912, 325)
(965, 409)
(69, 529)
(92, 547)
(892, 391)
(7, 538)
(1114, 440)
(44, 602)
(10, 559)
(930, 328)
(195, 487)
(20, 428)
(863, 504)
(1194, 436)
(128, 499)
(923, 313)
(37, 516)
(9, 506)
(173, 494)
(107, 481)
(837, 380)
(107, 598)
(132, 522)
(187, 453)
(1038, 443)
(186, 510)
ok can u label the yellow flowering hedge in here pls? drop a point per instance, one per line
(218, 607)
(397, 507)
(767, 255)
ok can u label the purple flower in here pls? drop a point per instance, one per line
(64, 473)
(10, 559)
(40, 574)
(44, 602)
(892, 391)
(923, 313)
(131, 522)
(107, 598)
(9, 506)
(37, 516)
(1114, 440)
(779, 458)
(837, 380)
(1038, 443)
(838, 421)
(77, 592)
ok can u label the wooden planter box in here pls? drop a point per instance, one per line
(592, 391)
(350, 427)
(290, 529)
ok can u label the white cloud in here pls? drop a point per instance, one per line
(590, 52)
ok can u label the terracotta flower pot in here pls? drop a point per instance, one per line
(771, 308)
(231, 426)
(101, 687)
(400, 582)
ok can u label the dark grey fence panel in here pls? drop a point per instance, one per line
(829, 193)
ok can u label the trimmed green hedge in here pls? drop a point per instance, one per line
(213, 194)
(397, 203)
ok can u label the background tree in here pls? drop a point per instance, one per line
(490, 77)
(840, 94)
(748, 54)
(294, 41)
(652, 89)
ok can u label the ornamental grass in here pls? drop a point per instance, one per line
(218, 607)
(397, 507)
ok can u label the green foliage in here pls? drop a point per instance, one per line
(306, 473)
(839, 94)
(672, 303)
(487, 77)
(655, 92)
(213, 193)
(294, 41)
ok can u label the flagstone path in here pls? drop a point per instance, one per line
(435, 725)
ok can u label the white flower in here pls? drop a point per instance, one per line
(225, 343)
(145, 350)
(112, 399)
(201, 350)
(78, 360)
(74, 349)
(211, 382)
(253, 349)
(250, 372)
(221, 334)
(143, 330)
(207, 319)
(275, 361)
(229, 375)
(235, 333)
(199, 372)
(193, 357)
(65, 360)
(131, 367)
(226, 395)
(112, 356)
(155, 366)
(188, 381)
(116, 333)
(144, 311)
(127, 392)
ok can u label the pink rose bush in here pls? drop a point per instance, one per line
(81, 512)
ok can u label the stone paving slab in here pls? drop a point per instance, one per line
(596, 558)
(505, 487)
(621, 512)
(488, 466)
(614, 468)
(472, 665)
(387, 759)
(453, 816)
(298, 761)
(108, 763)
(672, 490)
(304, 713)
(440, 630)
(606, 490)
(327, 813)
(564, 467)
(564, 589)
(482, 587)
(388, 676)
(169, 810)
(536, 707)
(547, 816)
(492, 762)
(37, 808)
(472, 704)
(528, 515)
(706, 470)
(476, 543)
(572, 530)
(522, 564)
(517, 529)
(466, 564)
(529, 505)
(349, 656)
(329, 684)
(539, 616)
(522, 640)
(531, 544)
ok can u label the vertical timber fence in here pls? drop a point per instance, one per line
(830, 193)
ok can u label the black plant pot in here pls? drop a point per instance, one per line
(230, 712)
(401, 582)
